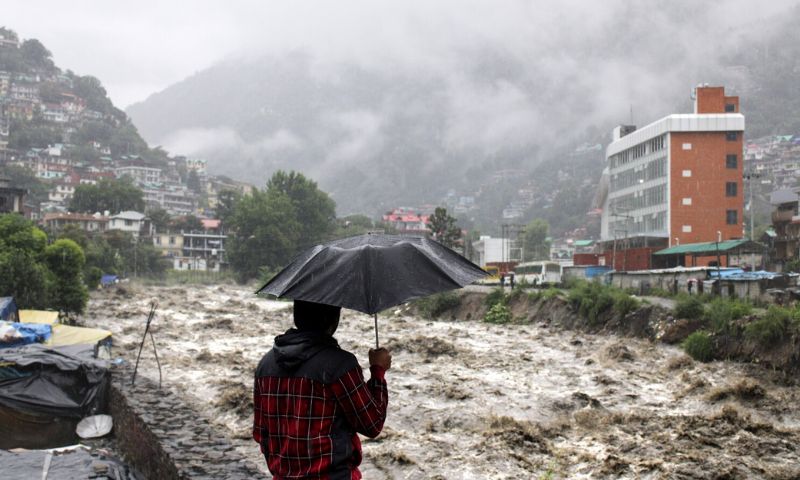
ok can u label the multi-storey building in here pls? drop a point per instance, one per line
(139, 174)
(86, 222)
(677, 180)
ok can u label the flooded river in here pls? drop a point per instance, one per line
(471, 400)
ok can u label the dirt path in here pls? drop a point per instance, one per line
(474, 401)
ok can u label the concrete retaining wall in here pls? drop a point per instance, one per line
(164, 438)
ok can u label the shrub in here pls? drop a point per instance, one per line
(689, 307)
(499, 313)
(550, 293)
(771, 327)
(435, 305)
(515, 294)
(496, 296)
(624, 303)
(699, 346)
(659, 292)
(721, 312)
(92, 277)
(591, 299)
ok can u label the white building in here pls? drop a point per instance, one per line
(128, 221)
(495, 250)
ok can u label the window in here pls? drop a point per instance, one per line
(730, 108)
(687, 146)
(731, 161)
(732, 217)
(687, 173)
(730, 189)
(128, 223)
(687, 201)
(731, 136)
(687, 229)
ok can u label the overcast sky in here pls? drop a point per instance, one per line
(138, 48)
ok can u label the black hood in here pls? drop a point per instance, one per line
(294, 347)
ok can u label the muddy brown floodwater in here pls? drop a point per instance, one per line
(471, 400)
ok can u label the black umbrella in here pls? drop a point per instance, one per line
(372, 272)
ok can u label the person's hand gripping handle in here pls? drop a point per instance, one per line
(380, 357)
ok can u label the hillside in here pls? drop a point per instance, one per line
(44, 106)
(377, 137)
(60, 130)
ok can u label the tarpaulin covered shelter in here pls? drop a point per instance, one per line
(65, 334)
(46, 390)
(8, 309)
(13, 334)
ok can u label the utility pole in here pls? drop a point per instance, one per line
(749, 177)
(719, 277)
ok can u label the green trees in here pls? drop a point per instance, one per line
(189, 223)
(535, 245)
(65, 260)
(444, 229)
(314, 210)
(40, 276)
(271, 225)
(22, 275)
(109, 194)
(159, 219)
(36, 55)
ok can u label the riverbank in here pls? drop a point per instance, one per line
(547, 397)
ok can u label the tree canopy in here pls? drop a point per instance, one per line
(535, 245)
(114, 195)
(37, 275)
(444, 229)
(271, 225)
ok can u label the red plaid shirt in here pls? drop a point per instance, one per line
(298, 422)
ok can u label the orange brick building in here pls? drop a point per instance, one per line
(675, 181)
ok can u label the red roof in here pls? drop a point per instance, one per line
(210, 223)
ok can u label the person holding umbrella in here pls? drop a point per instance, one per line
(311, 400)
(310, 397)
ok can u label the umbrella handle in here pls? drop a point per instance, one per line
(375, 315)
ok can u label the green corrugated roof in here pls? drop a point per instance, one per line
(704, 247)
(584, 243)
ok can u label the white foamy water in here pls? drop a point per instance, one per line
(473, 400)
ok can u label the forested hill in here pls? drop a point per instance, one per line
(43, 106)
(378, 137)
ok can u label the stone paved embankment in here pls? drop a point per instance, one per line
(164, 438)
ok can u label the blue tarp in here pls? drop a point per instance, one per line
(8, 309)
(108, 280)
(595, 270)
(26, 333)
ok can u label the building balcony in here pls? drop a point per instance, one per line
(783, 216)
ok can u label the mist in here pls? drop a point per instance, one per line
(425, 84)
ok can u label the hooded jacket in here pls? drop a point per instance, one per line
(310, 401)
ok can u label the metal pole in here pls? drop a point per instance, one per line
(719, 277)
(153, 306)
(375, 315)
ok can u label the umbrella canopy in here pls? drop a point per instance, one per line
(372, 272)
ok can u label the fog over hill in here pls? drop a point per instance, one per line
(436, 101)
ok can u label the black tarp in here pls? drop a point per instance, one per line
(65, 381)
